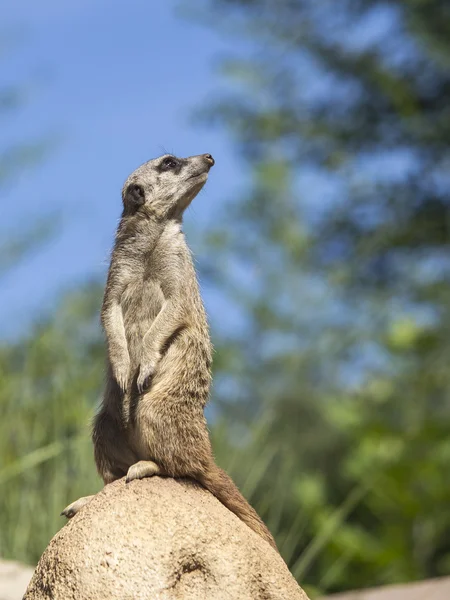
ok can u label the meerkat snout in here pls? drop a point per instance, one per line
(209, 159)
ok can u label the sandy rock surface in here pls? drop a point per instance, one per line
(159, 539)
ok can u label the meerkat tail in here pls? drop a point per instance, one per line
(220, 484)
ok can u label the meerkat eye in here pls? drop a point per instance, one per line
(169, 163)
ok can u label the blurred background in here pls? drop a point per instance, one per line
(322, 245)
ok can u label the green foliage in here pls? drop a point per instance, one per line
(50, 382)
(37, 428)
(346, 344)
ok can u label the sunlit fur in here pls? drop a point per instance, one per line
(159, 352)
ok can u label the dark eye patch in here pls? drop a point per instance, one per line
(171, 163)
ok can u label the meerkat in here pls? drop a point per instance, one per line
(151, 421)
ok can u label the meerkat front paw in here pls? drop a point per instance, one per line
(121, 370)
(141, 469)
(146, 371)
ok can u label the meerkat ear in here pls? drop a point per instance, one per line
(134, 196)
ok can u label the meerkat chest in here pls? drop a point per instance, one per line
(170, 258)
(142, 297)
(148, 275)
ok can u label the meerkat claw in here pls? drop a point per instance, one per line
(121, 376)
(145, 377)
(142, 386)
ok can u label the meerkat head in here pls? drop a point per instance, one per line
(165, 186)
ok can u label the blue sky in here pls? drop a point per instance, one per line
(115, 83)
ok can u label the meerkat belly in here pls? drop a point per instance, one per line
(141, 303)
(169, 417)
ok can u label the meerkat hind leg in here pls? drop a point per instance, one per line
(141, 469)
(71, 510)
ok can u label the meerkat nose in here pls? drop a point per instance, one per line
(209, 159)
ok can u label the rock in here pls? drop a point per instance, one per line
(159, 539)
(14, 579)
